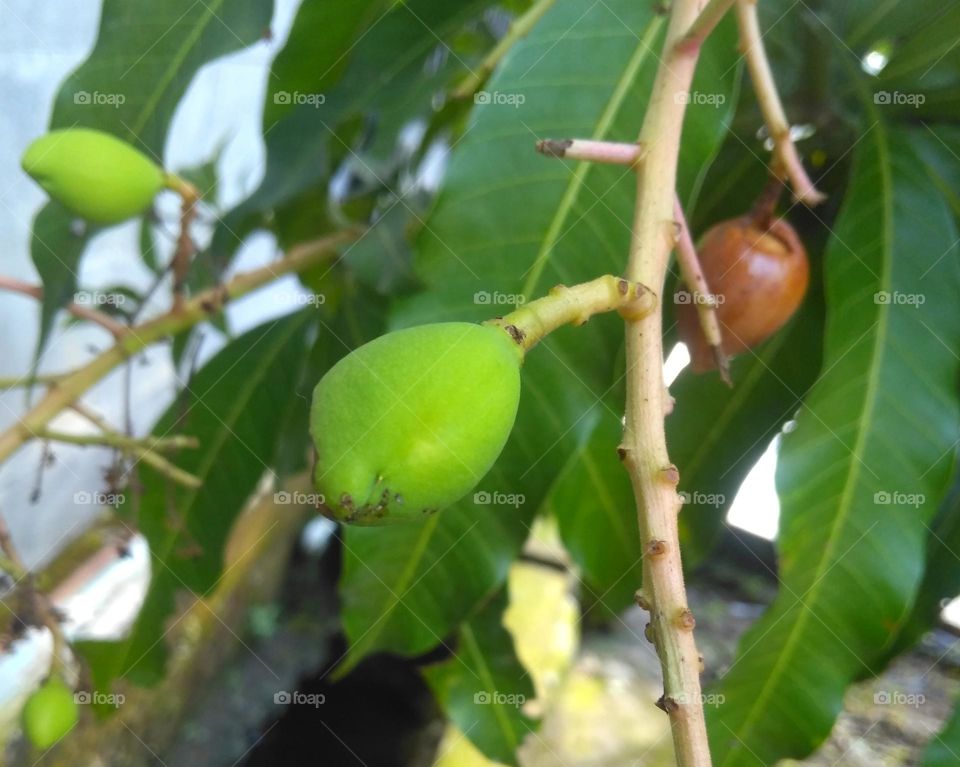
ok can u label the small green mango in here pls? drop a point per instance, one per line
(410, 422)
(49, 714)
(93, 174)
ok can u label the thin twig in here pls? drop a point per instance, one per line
(610, 152)
(185, 250)
(80, 311)
(786, 161)
(700, 294)
(146, 450)
(43, 609)
(140, 337)
(706, 22)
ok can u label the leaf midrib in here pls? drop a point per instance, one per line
(845, 505)
(578, 178)
(195, 33)
(486, 677)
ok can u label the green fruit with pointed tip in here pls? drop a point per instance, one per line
(410, 422)
(93, 174)
(49, 714)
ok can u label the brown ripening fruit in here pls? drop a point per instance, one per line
(759, 274)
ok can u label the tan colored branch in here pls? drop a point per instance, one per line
(135, 339)
(644, 449)
(77, 310)
(701, 296)
(786, 161)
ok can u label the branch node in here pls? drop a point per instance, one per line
(656, 548)
(671, 474)
(667, 704)
(642, 602)
(685, 619)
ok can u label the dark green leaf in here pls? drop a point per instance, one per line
(389, 80)
(483, 687)
(57, 241)
(863, 472)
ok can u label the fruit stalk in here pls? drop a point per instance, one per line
(574, 306)
(700, 293)
(786, 161)
(137, 338)
(644, 449)
(182, 256)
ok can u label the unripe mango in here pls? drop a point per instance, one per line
(49, 714)
(410, 422)
(93, 174)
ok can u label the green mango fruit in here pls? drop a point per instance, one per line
(49, 714)
(408, 423)
(93, 174)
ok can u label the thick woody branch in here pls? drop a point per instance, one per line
(643, 449)
(700, 294)
(786, 160)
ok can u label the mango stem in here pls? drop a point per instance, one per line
(574, 305)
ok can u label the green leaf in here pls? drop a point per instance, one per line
(717, 433)
(145, 56)
(509, 221)
(866, 466)
(316, 51)
(593, 502)
(944, 747)
(388, 80)
(941, 576)
(482, 688)
(56, 245)
(234, 406)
